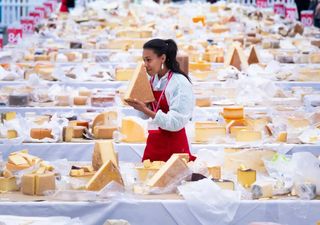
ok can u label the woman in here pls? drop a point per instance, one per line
(174, 103)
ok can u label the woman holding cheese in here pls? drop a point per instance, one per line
(174, 102)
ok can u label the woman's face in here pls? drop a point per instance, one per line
(152, 61)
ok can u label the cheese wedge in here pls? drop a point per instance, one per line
(139, 86)
(108, 172)
(168, 173)
(133, 132)
(102, 153)
(235, 57)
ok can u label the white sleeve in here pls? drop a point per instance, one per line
(181, 103)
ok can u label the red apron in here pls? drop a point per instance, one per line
(64, 7)
(161, 144)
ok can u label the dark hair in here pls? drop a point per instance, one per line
(169, 48)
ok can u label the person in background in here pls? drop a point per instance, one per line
(315, 7)
(302, 5)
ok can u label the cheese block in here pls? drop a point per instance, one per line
(37, 184)
(146, 173)
(79, 123)
(235, 57)
(233, 112)
(78, 131)
(107, 119)
(17, 160)
(80, 100)
(139, 86)
(107, 173)
(67, 133)
(282, 137)
(246, 177)
(203, 101)
(13, 167)
(200, 65)
(102, 153)
(8, 116)
(198, 19)
(133, 132)
(225, 184)
(8, 184)
(235, 129)
(254, 57)
(124, 74)
(40, 133)
(215, 172)
(169, 172)
(257, 123)
(248, 136)
(205, 134)
(103, 132)
(12, 134)
(63, 100)
(18, 99)
(262, 190)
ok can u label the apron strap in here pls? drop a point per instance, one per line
(156, 107)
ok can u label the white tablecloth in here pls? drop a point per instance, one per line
(168, 212)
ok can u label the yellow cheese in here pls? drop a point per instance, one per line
(37, 184)
(298, 122)
(80, 100)
(13, 167)
(215, 172)
(146, 173)
(233, 112)
(139, 86)
(169, 172)
(7, 173)
(203, 102)
(8, 184)
(235, 129)
(102, 153)
(9, 116)
(40, 133)
(201, 65)
(103, 132)
(124, 74)
(74, 123)
(282, 137)
(246, 177)
(225, 184)
(28, 184)
(205, 134)
(147, 163)
(248, 136)
(108, 172)
(17, 160)
(12, 134)
(132, 130)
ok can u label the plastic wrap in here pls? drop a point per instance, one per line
(209, 203)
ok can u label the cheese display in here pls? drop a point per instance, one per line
(139, 87)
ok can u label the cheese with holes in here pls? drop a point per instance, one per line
(233, 112)
(40, 133)
(107, 173)
(124, 74)
(103, 132)
(248, 136)
(12, 134)
(102, 153)
(8, 184)
(133, 132)
(139, 86)
(169, 172)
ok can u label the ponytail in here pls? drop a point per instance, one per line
(168, 48)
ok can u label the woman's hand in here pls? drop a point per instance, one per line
(140, 106)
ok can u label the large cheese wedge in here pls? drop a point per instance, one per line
(8, 184)
(248, 136)
(124, 74)
(139, 86)
(102, 153)
(235, 57)
(40, 133)
(108, 172)
(105, 119)
(233, 112)
(254, 57)
(37, 184)
(174, 168)
(133, 132)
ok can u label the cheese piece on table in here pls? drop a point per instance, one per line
(86, 93)
(139, 86)
(63, 100)
(200, 65)
(282, 137)
(235, 129)
(17, 160)
(233, 112)
(79, 123)
(203, 101)
(205, 134)
(40, 133)
(246, 177)
(103, 132)
(105, 119)
(225, 184)
(67, 133)
(102, 153)
(262, 190)
(254, 57)
(80, 100)
(124, 74)
(107, 173)
(37, 184)
(9, 115)
(235, 57)
(248, 136)
(28, 184)
(215, 172)
(12, 134)
(168, 173)
(132, 130)
(8, 184)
